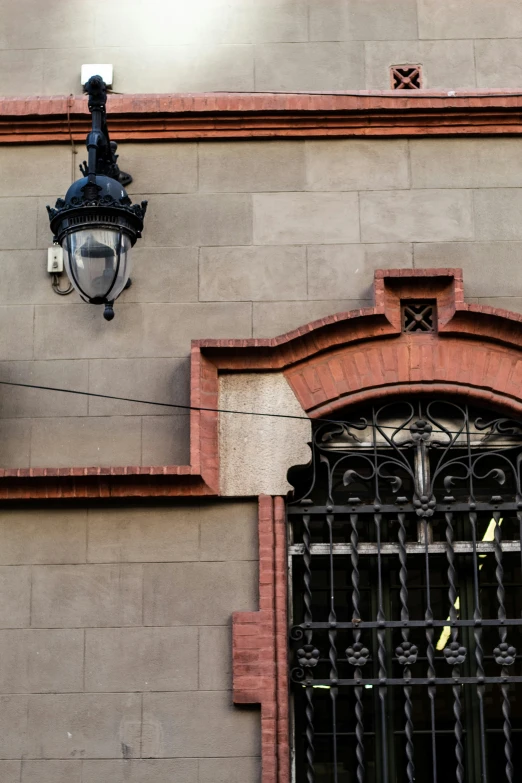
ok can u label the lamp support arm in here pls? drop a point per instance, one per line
(102, 158)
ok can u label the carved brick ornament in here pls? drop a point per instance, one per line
(406, 77)
(418, 317)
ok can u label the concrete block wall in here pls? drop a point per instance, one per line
(115, 643)
(242, 239)
(247, 45)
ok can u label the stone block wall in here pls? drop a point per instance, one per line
(261, 45)
(242, 239)
(115, 642)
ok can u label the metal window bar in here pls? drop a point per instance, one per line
(386, 501)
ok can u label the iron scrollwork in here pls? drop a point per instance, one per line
(404, 448)
(408, 479)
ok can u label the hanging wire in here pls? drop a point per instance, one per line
(418, 94)
(319, 420)
(56, 286)
(73, 148)
(55, 276)
(161, 404)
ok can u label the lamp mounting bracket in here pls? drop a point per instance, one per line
(102, 151)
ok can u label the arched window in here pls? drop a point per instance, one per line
(406, 600)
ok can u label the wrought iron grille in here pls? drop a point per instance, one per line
(404, 549)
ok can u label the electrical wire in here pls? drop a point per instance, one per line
(189, 407)
(415, 94)
(73, 148)
(56, 286)
(162, 404)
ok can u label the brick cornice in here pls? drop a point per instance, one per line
(132, 481)
(265, 115)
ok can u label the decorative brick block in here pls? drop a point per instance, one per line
(406, 77)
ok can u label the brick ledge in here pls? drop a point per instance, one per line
(102, 483)
(152, 117)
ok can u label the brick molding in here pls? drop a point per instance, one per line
(474, 351)
(259, 645)
(265, 115)
(339, 360)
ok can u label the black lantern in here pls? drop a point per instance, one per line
(96, 224)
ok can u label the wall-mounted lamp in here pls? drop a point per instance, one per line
(96, 224)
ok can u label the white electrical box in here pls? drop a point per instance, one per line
(105, 71)
(55, 260)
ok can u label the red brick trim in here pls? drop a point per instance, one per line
(281, 640)
(259, 646)
(342, 359)
(102, 483)
(204, 423)
(487, 364)
(265, 115)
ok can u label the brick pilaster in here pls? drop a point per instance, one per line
(259, 645)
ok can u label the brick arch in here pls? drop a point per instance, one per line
(473, 351)
(347, 359)
(353, 357)
(490, 374)
(336, 361)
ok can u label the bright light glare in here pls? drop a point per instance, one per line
(201, 21)
(446, 630)
(489, 535)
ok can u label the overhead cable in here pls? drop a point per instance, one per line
(194, 407)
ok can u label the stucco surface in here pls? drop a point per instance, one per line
(246, 45)
(118, 668)
(256, 451)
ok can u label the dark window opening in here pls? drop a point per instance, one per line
(404, 539)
